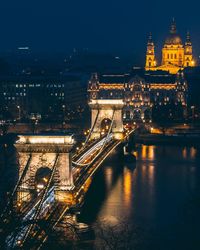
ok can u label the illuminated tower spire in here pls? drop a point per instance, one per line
(150, 54)
(188, 40)
(173, 29)
(188, 57)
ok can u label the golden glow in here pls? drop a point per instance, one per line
(184, 153)
(144, 151)
(192, 153)
(110, 86)
(189, 152)
(40, 139)
(151, 152)
(169, 86)
(127, 186)
(156, 131)
(175, 56)
(148, 152)
(107, 101)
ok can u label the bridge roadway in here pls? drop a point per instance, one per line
(87, 164)
(52, 212)
(82, 174)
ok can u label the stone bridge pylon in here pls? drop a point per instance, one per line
(106, 109)
(40, 153)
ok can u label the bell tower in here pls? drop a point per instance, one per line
(188, 57)
(93, 87)
(150, 55)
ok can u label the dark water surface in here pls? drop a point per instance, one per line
(159, 195)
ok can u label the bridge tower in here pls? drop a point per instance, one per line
(104, 108)
(38, 152)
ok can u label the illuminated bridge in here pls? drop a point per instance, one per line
(54, 177)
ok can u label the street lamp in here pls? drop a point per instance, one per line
(63, 108)
(19, 112)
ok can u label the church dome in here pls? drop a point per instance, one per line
(173, 38)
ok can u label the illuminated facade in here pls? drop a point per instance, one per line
(175, 55)
(140, 94)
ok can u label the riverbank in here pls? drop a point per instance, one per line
(175, 139)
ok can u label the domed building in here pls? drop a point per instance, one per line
(175, 54)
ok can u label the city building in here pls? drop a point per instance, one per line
(141, 93)
(42, 97)
(176, 55)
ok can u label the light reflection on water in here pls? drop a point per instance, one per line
(189, 153)
(127, 186)
(150, 195)
(147, 152)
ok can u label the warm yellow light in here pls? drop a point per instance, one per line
(40, 139)
(45, 179)
(108, 101)
(40, 186)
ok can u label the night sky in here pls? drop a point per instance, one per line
(119, 26)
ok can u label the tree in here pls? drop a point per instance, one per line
(119, 236)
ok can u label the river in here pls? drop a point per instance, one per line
(158, 198)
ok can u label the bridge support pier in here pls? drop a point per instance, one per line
(106, 110)
(47, 153)
(65, 178)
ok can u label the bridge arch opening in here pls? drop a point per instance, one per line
(42, 176)
(105, 125)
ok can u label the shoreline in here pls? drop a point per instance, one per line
(157, 139)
